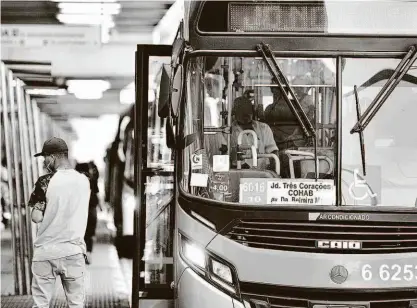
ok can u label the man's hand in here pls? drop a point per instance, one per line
(37, 215)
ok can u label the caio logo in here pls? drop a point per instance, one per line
(334, 244)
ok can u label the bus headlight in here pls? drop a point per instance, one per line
(222, 271)
(222, 274)
(212, 267)
(193, 253)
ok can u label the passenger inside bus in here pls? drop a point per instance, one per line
(243, 112)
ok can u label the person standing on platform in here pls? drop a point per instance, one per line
(59, 205)
(91, 171)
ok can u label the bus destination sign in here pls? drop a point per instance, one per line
(277, 17)
(287, 191)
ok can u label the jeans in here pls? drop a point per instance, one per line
(71, 269)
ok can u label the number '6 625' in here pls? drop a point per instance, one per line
(395, 272)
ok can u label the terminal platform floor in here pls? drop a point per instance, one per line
(108, 280)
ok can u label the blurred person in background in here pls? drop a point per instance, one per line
(91, 171)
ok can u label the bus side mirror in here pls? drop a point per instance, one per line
(176, 91)
(163, 103)
(170, 135)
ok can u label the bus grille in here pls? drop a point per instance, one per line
(290, 297)
(375, 237)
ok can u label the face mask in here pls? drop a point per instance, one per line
(49, 167)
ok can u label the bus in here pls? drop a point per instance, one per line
(312, 204)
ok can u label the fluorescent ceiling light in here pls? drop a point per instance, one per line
(88, 89)
(46, 92)
(89, 8)
(88, 95)
(103, 85)
(106, 20)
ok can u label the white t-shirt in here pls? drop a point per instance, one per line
(64, 197)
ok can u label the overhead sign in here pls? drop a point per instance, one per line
(287, 191)
(50, 36)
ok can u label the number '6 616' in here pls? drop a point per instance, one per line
(253, 187)
(393, 272)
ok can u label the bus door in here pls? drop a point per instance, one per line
(153, 266)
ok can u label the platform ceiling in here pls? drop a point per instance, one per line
(47, 67)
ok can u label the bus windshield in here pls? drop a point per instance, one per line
(249, 147)
(390, 144)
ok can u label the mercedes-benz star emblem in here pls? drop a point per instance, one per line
(339, 274)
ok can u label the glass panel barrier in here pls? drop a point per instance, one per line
(158, 256)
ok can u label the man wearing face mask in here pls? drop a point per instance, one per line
(59, 205)
(243, 113)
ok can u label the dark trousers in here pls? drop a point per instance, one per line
(91, 228)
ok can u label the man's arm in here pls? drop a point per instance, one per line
(37, 202)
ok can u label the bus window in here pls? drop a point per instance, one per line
(271, 144)
(390, 146)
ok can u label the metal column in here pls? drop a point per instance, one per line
(9, 154)
(27, 179)
(18, 181)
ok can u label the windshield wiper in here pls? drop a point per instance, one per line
(386, 91)
(282, 82)
(295, 105)
(361, 138)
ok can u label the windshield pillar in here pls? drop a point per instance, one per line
(338, 163)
